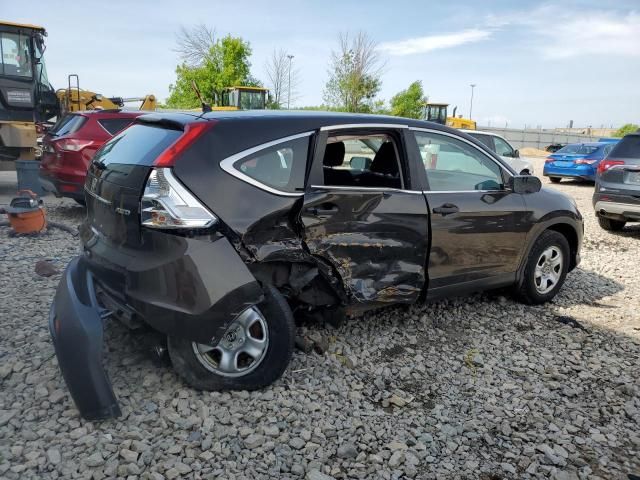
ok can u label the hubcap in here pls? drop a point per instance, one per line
(548, 270)
(240, 350)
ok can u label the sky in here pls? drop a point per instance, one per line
(533, 63)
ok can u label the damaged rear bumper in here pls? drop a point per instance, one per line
(76, 325)
(182, 287)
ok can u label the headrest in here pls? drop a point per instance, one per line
(333, 154)
(385, 160)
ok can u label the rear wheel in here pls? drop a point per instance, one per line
(611, 225)
(555, 179)
(546, 268)
(253, 353)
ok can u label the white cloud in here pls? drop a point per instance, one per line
(434, 42)
(560, 33)
(594, 34)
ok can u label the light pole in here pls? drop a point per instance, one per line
(473, 85)
(290, 57)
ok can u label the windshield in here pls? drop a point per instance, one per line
(250, 100)
(578, 149)
(15, 55)
(41, 68)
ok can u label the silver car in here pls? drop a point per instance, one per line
(502, 147)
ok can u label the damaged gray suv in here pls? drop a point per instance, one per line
(215, 229)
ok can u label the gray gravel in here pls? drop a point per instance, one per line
(478, 387)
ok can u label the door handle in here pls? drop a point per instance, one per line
(446, 209)
(323, 210)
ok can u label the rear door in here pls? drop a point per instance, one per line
(478, 226)
(366, 219)
(117, 177)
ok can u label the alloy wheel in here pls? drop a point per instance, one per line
(240, 350)
(548, 269)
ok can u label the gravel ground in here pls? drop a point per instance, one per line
(479, 387)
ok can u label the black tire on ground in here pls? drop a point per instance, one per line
(281, 334)
(527, 292)
(555, 179)
(80, 201)
(611, 225)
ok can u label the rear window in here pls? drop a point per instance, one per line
(68, 124)
(114, 125)
(138, 145)
(628, 147)
(578, 149)
(484, 139)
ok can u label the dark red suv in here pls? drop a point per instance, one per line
(70, 145)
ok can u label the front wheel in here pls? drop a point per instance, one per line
(546, 269)
(611, 225)
(555, 179)
(253, 352)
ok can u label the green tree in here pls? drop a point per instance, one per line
(626, 129)
(354, 74)
(225, 65)
(410, 102)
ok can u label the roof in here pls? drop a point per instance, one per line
(301, 120)
(112, 111)
(245, 87)
(21, 25)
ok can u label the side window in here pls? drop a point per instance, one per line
(371, 161)
(114, 125)
(454, 165)
(502, 148)
(281, 166)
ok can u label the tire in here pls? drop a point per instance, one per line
(555, 179)
(197, 372)
(611, 225)
(529, 292)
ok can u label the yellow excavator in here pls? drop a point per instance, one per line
(437, 112)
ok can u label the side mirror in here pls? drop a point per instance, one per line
(525, 184)
(360, 163)
(516, 154)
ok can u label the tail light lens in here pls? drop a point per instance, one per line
(549, 160)
(167, 204)
(585, 161)
(607, 164)
(73, 144)
(191, 133)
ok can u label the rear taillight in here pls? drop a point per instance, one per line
(607, 164)
(72, 144)
(585, 161)
(549, 160)
(191, 133)
(166, 203)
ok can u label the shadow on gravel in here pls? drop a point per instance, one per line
(585, 287)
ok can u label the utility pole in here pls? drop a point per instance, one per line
(290, 57)
(473, 85)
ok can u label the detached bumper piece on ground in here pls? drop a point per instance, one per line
(75, 323)
(213, 229)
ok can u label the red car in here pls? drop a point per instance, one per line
(70, 145)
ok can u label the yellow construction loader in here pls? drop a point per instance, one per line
(26, 96)
(437, 112)
(73, 99)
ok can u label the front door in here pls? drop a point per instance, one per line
(361, 216)
(478, 226)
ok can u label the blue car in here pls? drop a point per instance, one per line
(578, 161)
